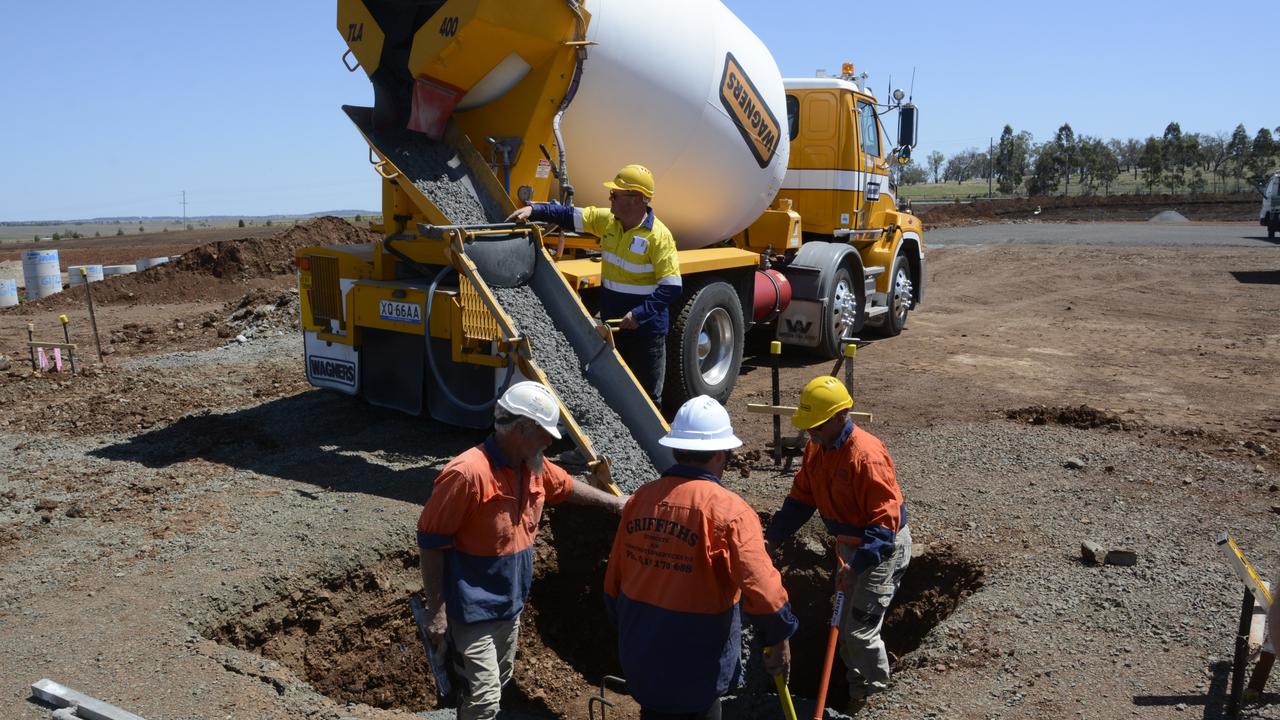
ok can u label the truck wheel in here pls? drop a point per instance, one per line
(704, 347)
(842, 312)
(1271, 229)
(900, 297)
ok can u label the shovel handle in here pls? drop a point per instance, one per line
(784, 694)
(832, 640)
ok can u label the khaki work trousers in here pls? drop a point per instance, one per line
(485, 657)
(861, 647)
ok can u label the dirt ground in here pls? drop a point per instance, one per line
(188, 530)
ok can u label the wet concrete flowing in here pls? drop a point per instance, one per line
(437, 171)
(440, 174)
(631, 466)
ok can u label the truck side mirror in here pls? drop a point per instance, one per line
(907, 126)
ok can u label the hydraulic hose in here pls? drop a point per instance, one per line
(441, 385)
(566, 189)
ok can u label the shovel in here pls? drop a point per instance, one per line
(439, 669)
(784, 694)
(832, 640)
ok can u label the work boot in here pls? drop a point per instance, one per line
(855, 706)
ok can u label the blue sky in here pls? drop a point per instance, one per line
(115, 109)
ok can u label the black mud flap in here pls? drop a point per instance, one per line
(391, 366)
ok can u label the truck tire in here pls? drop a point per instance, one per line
(1272, 224)
(704, 347)
(844, 311)
(900, 297)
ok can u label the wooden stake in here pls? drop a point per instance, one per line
(66, 334)
(93, 318)
(775, 352)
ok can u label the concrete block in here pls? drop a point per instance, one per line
(88, 708)
(1092, 552)
(1124, 558)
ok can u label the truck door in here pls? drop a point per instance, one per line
(819, 142)
(870, 178)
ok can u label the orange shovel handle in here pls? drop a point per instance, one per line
(832, 640)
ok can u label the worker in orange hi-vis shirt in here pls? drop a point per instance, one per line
(849, 478)
(688, 564)
(476, 534)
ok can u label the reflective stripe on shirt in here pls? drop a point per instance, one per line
(628, 266)
(641, 290)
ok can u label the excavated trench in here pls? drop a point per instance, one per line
(352, 636)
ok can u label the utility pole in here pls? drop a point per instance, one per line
(991, 164)
(183, 203)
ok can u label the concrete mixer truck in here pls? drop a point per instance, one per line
(781, 195)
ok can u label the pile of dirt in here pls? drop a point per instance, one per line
(1082, 417)
(1227, 207)
(217, 270)
(261, 312)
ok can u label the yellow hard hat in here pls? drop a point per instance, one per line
(635, 178)
(823, 397)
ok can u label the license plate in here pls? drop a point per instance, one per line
(400, 312)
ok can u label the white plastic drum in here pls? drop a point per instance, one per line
(110, 270)
(8, 292)
(696, 98)
(42, 273)
(92, 272)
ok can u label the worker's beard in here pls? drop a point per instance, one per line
(535, 463)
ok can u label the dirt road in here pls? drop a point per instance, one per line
(192, 532)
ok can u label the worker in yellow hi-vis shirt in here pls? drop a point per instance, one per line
(641, 273)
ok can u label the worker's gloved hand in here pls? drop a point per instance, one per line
(777, 660)
(521, 215)
(628, 322)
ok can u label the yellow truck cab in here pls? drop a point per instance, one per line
(841, 180)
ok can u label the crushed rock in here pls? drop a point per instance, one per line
(1169, 216)
(631, 466)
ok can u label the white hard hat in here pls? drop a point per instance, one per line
(534, 401)
(701, 424)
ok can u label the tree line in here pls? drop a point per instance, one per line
(1174, 161)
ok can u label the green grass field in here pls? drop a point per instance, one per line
(973, 189)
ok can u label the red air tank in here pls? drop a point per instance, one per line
(772, 295)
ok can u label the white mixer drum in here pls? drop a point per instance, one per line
(685, 89)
